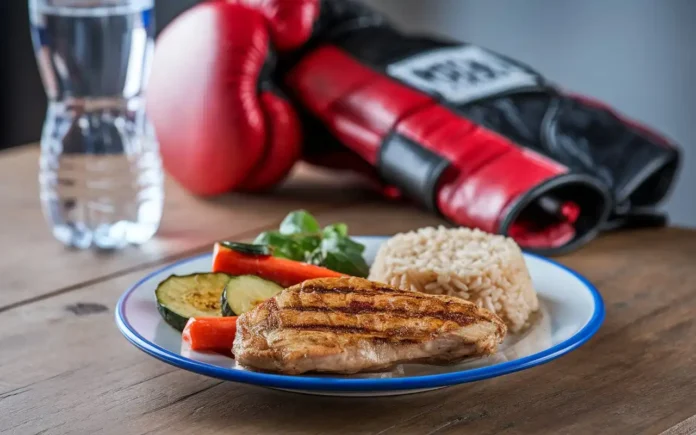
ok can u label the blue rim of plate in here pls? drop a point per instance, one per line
(360, 384)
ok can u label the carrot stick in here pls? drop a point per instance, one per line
(282, 271)
(210, 333)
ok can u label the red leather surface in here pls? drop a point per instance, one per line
(283, 145)
(480, 198)
(359, 105)
(462, 142)
(487, 171)
(290, 21)
(324, 76)
(215, 130)
(202, 96)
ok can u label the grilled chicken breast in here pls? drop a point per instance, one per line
(351, 325)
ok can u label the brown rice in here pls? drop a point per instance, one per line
(484, 268)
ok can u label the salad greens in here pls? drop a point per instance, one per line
(300, 238)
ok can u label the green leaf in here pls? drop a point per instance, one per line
(282, 245)
(340, 230)
(300, 238)
(308, 245)
(262, 239)
(299, 222)
(315, 257)
(342, 243)
(344, 255)
(345, 262)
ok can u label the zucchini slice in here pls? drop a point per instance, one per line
(195, 295)
(243, 293)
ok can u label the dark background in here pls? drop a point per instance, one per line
(22, 99)
(637, 55)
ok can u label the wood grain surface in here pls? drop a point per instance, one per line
(65, 368)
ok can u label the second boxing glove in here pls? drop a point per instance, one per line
(429, 149)
(221, 123)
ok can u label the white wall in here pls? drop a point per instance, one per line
(638, 55)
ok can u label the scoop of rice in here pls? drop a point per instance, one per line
(483, 268)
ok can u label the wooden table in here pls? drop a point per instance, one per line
(65, 368)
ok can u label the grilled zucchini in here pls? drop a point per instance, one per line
(195, 295)
(243, 293)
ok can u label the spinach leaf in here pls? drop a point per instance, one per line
(347, 263)
(340, 230)
(282, 245)
(308, 245)
(290, 246)
(344, 255)
(300, 238)
(299, 222)
(342, 243)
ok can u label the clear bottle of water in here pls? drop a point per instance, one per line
(100, 172)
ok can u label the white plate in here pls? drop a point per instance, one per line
(571, 312)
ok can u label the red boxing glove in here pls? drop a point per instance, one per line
(473, 176)
(221, 123)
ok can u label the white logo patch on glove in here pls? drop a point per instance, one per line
(462, 74)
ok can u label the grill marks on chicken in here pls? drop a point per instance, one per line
(349, 325)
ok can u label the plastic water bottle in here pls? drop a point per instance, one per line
(100, 172)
